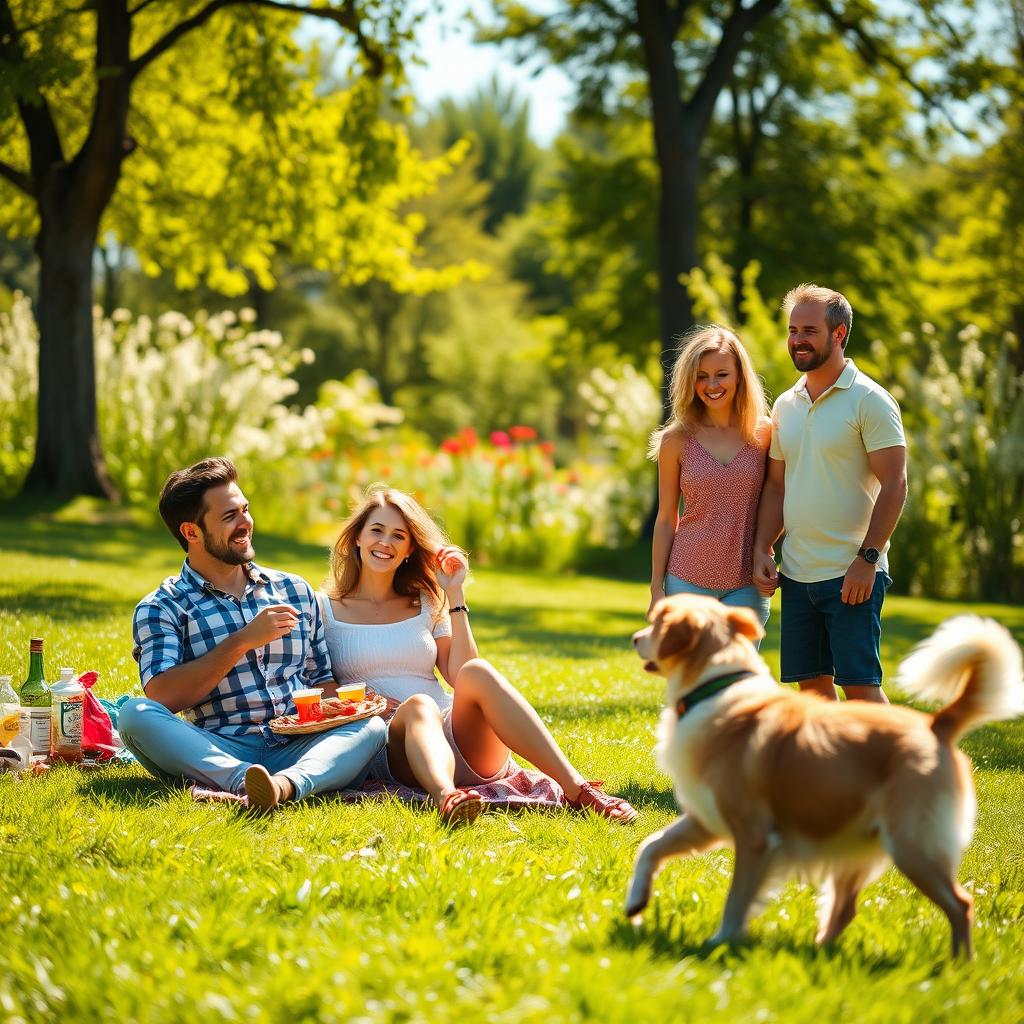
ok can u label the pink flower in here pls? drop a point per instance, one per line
(500, 439)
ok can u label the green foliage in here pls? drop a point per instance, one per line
(237, 152)
(496, 122)
(19, 368)
(961, 531)
(126, 901)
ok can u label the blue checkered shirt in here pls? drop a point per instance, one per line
(186, 616)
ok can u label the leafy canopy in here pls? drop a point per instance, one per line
(238, 148)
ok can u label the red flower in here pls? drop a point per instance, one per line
(547, 447)
(500, 439)
(452, 445)
(521, 433)
(468, 436)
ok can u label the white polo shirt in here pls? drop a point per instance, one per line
(830, 489)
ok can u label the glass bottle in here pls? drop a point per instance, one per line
(35, 702)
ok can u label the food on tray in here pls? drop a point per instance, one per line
(333, 711)
(308, 704)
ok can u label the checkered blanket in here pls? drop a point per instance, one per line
(520, 788)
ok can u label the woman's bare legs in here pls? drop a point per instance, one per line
(418, 752)
(490, 717)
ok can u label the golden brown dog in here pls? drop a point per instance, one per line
(802, 786)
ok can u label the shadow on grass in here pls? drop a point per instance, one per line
(98, 541)
(68, 602)
(116, 786)
(669, 939)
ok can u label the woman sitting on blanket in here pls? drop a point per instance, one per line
(394, 611)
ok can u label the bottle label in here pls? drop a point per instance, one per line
(39, 731)
(67, 721)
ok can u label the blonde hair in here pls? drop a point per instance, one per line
(415, 576)
(749, 404)
(837, 307)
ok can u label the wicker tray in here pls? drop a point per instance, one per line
(289, 725)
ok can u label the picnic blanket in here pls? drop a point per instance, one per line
(521, 788)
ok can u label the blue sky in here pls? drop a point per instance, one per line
(453, 65)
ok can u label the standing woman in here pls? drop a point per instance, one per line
(712, 453)
(394, 610)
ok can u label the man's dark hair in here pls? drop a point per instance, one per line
(183, 498)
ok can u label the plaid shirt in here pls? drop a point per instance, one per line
(187, 616)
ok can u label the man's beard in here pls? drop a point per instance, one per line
(814, 359)
(226, 553)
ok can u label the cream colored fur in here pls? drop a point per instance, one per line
(803, 787)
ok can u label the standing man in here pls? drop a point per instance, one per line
(227, 642)
(836, 484)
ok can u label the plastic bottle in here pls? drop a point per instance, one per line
(10, 711)
(35, 702)
(68, 699)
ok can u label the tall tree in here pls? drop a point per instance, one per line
(686, 51)
(193, 131)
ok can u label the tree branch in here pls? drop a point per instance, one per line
(874, 52)
(43, 138)
(346, 17)
(141, 7)
(720, 68)
(17, 178)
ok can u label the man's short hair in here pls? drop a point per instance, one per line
(183, 498)
(837, 307)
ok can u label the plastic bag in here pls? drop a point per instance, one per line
(97, 731)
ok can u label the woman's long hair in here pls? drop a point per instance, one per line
(414, 577)
(749, 403)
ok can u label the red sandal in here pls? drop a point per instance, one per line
(461, 806)
(612, 807)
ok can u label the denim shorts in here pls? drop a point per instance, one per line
(743, 597)
(821, 636)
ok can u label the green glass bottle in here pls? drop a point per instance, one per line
(35, 701)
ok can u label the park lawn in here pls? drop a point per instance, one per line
(122, 900)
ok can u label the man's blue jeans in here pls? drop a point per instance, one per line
(173, 749)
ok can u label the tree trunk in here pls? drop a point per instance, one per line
(68, 458)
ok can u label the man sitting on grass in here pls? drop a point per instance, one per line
(227, 642)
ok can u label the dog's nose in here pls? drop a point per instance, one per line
(636, 637)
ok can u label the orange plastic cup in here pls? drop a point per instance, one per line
(307, 703)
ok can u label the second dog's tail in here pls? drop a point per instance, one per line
(974, 665)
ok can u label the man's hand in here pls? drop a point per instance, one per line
(275, 621)
(766, 575)
(858, 582)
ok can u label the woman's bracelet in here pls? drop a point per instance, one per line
(459, 608)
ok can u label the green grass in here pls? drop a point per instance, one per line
(124, 901)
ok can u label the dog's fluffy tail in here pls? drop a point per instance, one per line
(974, 665)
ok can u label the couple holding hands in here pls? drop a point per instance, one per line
(828, 469)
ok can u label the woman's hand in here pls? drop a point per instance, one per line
(452, 568)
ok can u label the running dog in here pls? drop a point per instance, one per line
(803, 786)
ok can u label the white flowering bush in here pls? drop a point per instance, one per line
(622, 408)
(19, 375)
(960, 535)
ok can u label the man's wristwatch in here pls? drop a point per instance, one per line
(870, 555)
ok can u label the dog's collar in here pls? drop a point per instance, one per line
(708, 689)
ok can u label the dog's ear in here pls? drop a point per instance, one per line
(744, 622)
(679, 634)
